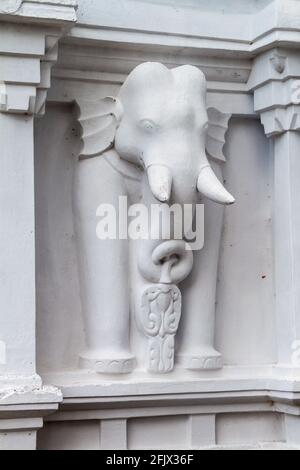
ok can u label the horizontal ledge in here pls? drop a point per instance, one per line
(265, 381)
(20, 393)
(276, 37)
(66, 90)
(96, 35)
(121, 59)
(85, 411)
(74, 75)
(49, 12)
(29, 409)
(20, 424)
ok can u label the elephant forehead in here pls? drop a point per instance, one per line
(146, 77)
(190, 77)
(169, 108)
(176, 95)
(190, 87)
(156, 81)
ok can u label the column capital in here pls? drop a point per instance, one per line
(29, 37)
(275, 82)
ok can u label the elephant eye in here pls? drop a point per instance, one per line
(148, 125)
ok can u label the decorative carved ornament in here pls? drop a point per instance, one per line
(159, 320)
(279, 62)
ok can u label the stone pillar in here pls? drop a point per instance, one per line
(27, 53)
(277, 98)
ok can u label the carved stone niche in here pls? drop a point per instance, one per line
(151, 144)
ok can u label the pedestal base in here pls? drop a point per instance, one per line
(234, 408)
(208, 360)
(105, 365)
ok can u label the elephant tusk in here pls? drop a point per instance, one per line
(160, 182)
(210, 186)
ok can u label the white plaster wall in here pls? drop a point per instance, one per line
(232, 430)
(245, 310)
(245, 331)
(59, 323)
(74, 435)
(244, 6)
(249, 429)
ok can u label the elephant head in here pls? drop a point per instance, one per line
(158, 122)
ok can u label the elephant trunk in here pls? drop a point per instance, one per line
(163, 260)
(170, 261)
(166, 262)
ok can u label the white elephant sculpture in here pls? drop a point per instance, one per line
(153, 141)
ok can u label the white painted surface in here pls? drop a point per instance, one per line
(17, 246)
(249, 429)
(82, 435)
(113, 434)
(252, 403)
(158, 433)
(245, 322)
(58, 303)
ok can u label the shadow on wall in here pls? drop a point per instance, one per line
(245, 293)
(59, 324)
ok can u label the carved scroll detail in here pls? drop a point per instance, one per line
(159, 321)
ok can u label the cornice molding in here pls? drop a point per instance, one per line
(22, 408)
(270, 378)
(275, 82)
(122, 59)
(58, 12)
(101, 66)
(134, 22)
(25, 91)
(27, 53)
(97, 66)
(257, 389)
(275, 65)
(110, 42)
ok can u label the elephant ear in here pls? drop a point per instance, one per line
(99, 121)
(215, 137)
